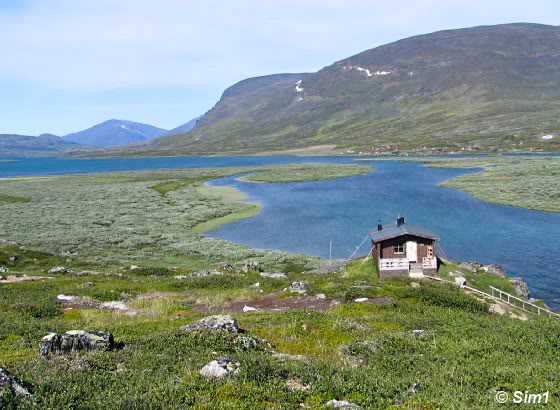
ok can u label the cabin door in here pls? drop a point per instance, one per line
(411, 251)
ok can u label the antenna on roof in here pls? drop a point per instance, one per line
(400, 220)
(379, 226)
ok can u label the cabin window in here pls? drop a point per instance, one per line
(398, 248)
(430, 250)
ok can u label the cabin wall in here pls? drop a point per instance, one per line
(385, 249)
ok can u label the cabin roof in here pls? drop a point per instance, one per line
(394, 231)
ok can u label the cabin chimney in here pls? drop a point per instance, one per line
(400, 220)
(379, 226)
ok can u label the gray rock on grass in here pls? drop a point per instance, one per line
(213, 323)
(342, 404)
(251, 266)
(75, 341)
(7, 381)
(274, 275)
(299, 287)
(494, 269)
(472, 267)
(220, 368)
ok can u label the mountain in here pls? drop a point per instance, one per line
(115, 132)
(12, 145)
(185, 127)
(489, 86)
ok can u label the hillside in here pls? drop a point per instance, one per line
(490, 86)
(184, 128)
(115, 132)
(44, 145)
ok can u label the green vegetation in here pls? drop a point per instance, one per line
(12, 199)
(532, 183)
(310, 172)
(362, 352)
(333, 347)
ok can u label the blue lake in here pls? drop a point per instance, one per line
(305, 217)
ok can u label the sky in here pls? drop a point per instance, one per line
(66, 65)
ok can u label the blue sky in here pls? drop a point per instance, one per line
(68, 64)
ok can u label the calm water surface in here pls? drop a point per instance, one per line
(305, 217)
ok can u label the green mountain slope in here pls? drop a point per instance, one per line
(491, 86)
(43, 145)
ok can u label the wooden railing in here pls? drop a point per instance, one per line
(520, 303)
(393, 264)
(429, 262)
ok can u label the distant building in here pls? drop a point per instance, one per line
(401, 248)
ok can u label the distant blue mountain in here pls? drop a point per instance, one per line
(185, 127)
(115, 132)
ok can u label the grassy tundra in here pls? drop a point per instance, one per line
(328, 346)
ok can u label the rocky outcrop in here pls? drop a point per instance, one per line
(472, 267)
(8, 382)
(225, 268)
(60, 269)
(494, 269)
(75, 341)
(213, 323)
(251, 266)
(220, 368)
(521, 288)
(204, 273)
(299, 287)
(274, 275)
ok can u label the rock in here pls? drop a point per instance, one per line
(470, 266)
(274, 275)
(220, 368)
(256, 285)
(359, 300)
(65, 298)
(12, 258)
(414, 389)
(320, 296)
(299, 287)
(204, 273)
(251, 266)
(214, 323)
(180, 277)
(342, 404)
(415, 285)
(2, 277)
(419, 333)
(225, 268)
(494, 269)
(7, 381)
(3, 269)
(88, 284)
(113, 305)
(60, 269)
(460, 281)
(249, 309)
(295, 385)
(521, 288)
(75, 341)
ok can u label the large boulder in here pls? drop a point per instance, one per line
(4, 269)
(225, 268)
(214, 323)
(8, 382)
(299, 287)
(75, 341)
(521, 288)
(460, 281)
(220, 368)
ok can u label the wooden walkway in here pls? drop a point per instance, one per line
(511, 300)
